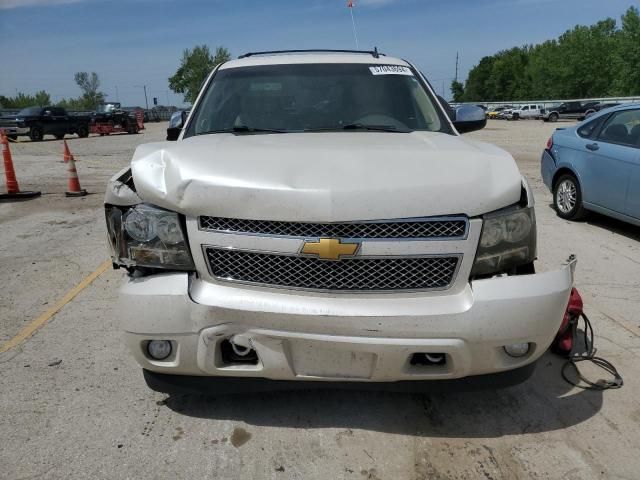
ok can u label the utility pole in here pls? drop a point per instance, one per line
(456, 66)
(146, 101)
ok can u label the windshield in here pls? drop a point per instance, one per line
(316, 97)
(31, 111)
(107, 107)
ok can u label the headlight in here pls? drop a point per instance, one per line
(508, 240)
(140, 225)
(147, 236)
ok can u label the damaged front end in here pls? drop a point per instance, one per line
(143, 237)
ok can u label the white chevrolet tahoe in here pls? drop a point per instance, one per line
(320, 222)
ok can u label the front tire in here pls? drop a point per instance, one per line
(36, 134)
(553, 117)
(567, 198)
(83, 131)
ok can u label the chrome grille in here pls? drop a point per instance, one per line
(455, 228)
(353, 274)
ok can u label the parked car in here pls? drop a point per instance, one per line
(568, 111)
(319, 220)
(114, 116)
(595, 166)
(498, 112)
(506, 113)
(36, 122)
(600, 106)
(494, 112)
(529, 111)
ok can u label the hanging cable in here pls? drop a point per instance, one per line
(590, 356)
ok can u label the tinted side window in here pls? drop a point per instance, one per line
(589, 129)
(622, 128)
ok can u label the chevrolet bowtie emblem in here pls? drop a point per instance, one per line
(329, 248)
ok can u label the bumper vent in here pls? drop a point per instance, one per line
(354, 274)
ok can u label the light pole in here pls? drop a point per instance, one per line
(146, 101)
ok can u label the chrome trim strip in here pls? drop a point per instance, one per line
(459, 257)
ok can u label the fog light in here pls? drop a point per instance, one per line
(159, 349)
(517, 349)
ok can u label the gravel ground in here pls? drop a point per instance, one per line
(74, 404)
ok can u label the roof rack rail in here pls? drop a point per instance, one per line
(374, 53)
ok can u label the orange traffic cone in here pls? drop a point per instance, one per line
(67, 153)
(13, 190)
(74, 181)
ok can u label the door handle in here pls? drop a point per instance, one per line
(592, 146)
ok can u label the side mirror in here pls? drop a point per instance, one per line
(176, 124)
(469, 118)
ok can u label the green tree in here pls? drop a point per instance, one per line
(195, 66)
(587, 61)
(89, 83)
(42, 98)
(627, 62)
(457, 91)
(21, 100)
(71, 104)
(477, 88)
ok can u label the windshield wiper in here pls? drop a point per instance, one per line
(243, 129)
(358, 126)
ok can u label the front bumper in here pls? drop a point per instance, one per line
(324, 337)
(10, 130)
(187, 384)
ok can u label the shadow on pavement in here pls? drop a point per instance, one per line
(543, 403)
(612, 224)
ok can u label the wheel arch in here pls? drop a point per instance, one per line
(561, 171)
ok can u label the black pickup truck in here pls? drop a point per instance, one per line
(568, 111)
(36, 122)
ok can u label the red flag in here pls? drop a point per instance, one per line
(350, 4)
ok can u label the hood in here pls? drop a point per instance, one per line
(326, 177)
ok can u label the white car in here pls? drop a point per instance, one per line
(532, 111)
(320, 221)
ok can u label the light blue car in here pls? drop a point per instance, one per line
(595, 166)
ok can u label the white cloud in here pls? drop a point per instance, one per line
(7, 4)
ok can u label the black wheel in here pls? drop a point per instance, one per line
(83, 131)
(516, 116)
(35, 134)
(567, 198)
(59, 136)
(553, 117)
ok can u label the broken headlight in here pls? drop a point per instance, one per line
(508, 240)
(147, 236)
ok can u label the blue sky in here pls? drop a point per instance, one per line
(140, 42)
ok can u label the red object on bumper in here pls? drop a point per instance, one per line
(563, 343)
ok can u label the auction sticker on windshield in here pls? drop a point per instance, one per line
(390, 70)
